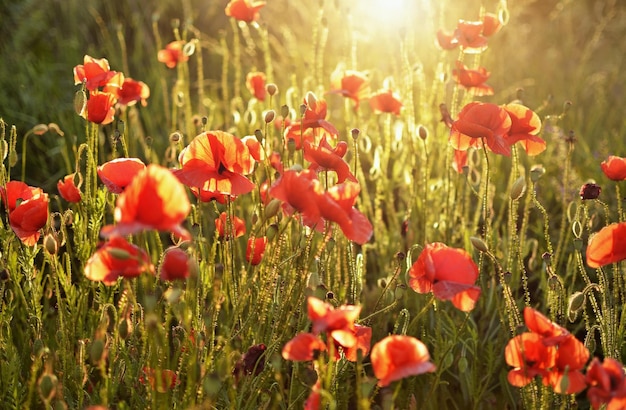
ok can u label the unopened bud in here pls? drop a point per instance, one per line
(518, 188)
(258, 134)
(302, 109)
(40, 129)
(422, 132)
(271, 231)
(271, 89)
(479, 244)
(355, 133)
(284, 112)
(269, 116)
(576, 302)
(53, 127)
(80, 101)
(271, 209)
(50, 244)
(47, 387)
(96, 352)
(537, 172)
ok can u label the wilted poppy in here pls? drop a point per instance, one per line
(450, 273)
(175, 264)
(614, 168)
(529, 356)
(255, 82)
(28, 210)
(607, 384)
(244, 10)
(472, 80)
(482, 123)
(118, 173)
(399, 356)
(160, 380)
(607, 246)
(173, 54)
(155, 199)
(315, 115)
(386, 101)
(128, 91)
(251, 362)
(68, 190)
(351, 84)
(255, 250)
(216, 161)
(117, 258)
(324, 157)
(303, 347)
(94, 72)
(525, 127)
(100, 108)
(236, 228)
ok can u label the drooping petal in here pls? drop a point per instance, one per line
(607, 246)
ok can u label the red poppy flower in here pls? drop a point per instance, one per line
(244, 10)
(303, 347)
(100, 108)
(216, 161)
(446, 40)
(155, 199)
(315, 115)
(589, 191)
(160, 380)
(128, 91)
(491, 24)
(482, 122)
(529, 356)
(117, 258)
(525, 125)
(450, 273)
(566, 376)
(363, 335)
(254, 146)
(175, 264)
(299, 136)
(614, 168)
(398, 356)
(472, 80)
(255, 250)
(299, 191)
(607, 246)
(337, 205)
(235, 230)
(68, 190)
(351, 84)
(118, 173)
(386, 101)
(173, 54)
(313, 402)
(28, 210)
(95, 72)
(469, 36)
(551, 333)
(337, 323)
(255, 82)
(607, 384)
(324, 157)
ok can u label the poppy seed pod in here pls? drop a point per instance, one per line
(355, 133)
(271, 89)
(422, 132)
(284, 111)
(269, 116)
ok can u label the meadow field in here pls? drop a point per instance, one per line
(319, 204)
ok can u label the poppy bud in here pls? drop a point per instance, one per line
(5, 149)
(12, 158)
(96, 352)
(576, 302)
(284, 111)
(479, 244)
(53, 127)
(302, 109)
(590, 191)
(272, 208)
(518, 188)
(258, 135)
(80, 101)
(50, 244)
(271, 231)
(507, 277)
(40, 129)
(422, 132)
(269, 116)
(124, 328)
(47, 387)
(355, 133)
(578, 244)
(291, 147)
(537, 172)
(400, 291)
(119, 253)
(271, 89)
